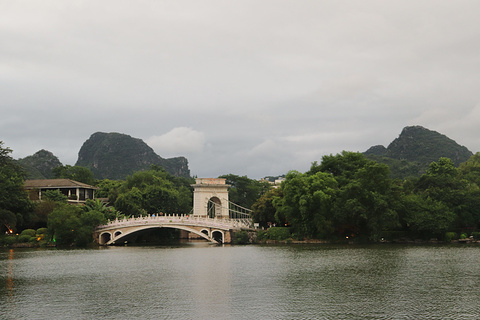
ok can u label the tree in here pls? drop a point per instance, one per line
(264, 209)
(108, 212)
(54, 195)
(77, 173)
(8, 220)
(306, 203)
(70, 224)
(63, 223)
(427, 217)
(244, 191)
(13, 197)
(367, 200)
(470, 170)
(154, 191)
(109, 189)
(450, 186)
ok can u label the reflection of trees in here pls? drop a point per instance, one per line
(9, 278)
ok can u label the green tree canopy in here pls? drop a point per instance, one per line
(77, 173)
(13, 197)
(264, 209)
(307, 202)
(244, 191)
(154, 191)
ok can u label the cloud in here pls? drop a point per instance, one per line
(245, 87)
(178, 141)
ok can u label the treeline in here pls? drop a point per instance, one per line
(54, 221)
(346, 195)
(349, 196)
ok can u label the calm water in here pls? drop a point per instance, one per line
(201, 281)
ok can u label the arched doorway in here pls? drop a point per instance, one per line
(214, 207)
(207, 190)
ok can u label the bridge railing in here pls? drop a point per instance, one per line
(182, 219)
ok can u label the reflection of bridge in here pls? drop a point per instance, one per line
(211, 229)
(214, 217)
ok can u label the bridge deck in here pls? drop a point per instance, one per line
(186, 220)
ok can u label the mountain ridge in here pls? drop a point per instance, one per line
(116, 155)
(415, 148)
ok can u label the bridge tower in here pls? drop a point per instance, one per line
(210, 198)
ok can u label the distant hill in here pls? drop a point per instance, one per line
(115, 156)
(412, 152)
(40, 165)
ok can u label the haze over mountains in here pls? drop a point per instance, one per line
(115, 155)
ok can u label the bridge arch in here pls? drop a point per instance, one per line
(218, 236)
(104, 237)
(140, 228)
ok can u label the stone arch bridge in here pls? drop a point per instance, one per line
(211, 229)
(214, 217)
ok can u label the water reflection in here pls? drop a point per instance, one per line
(9, 277)
(200, 281)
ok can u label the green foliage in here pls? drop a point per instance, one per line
(13, 197)
(154, 191)
(54, 195)
(76, 173)
(470, 170)
(7, 240)
(41, 231)
(41, 212)
(29, 232)
(307, 202)
(262, 235)
(449, 236)
(264, 209)
(428, 217)
(23, 238)
(8, 220)
(350, 195)
(109, 189)
(244, 191)
(72, 225)
(109, 213)
(241, 237)
(476, 235)
(278, 233)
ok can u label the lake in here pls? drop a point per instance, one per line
(204, 281)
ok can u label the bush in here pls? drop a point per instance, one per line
(463, 236)
(241, 237)
(278, 233)
(262, 235)
(24, 238)
(41, 231)
(449, 236)
(476, 235)
(28, 232)
(8, 240)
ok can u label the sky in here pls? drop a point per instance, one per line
(253, 88)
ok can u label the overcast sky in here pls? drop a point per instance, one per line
(251, 88)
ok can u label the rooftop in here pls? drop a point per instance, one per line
(56, 183)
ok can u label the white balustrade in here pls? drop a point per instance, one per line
(179, 219)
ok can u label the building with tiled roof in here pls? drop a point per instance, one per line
(76, 192)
